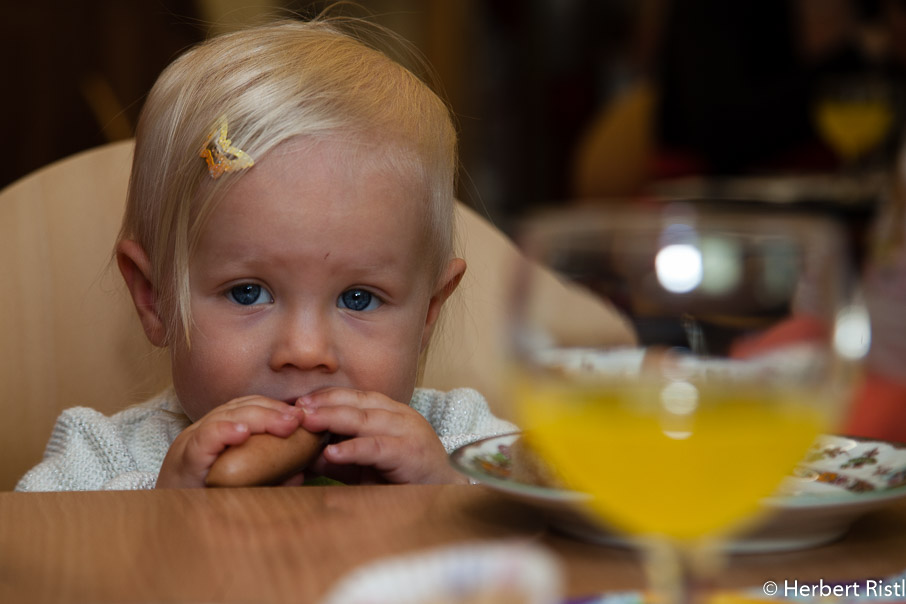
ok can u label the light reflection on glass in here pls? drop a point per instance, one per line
(852, 332)
(721, 264)
(679, 400)
(679, 267)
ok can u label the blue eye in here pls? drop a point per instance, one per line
(249, 294)
(359, 300)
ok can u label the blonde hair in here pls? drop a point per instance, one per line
(272, 83)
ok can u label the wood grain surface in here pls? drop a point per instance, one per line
(293, 544)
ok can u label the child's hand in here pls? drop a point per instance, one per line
(387, 441)
(193, 452)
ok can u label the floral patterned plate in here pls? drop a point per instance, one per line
(840, 479)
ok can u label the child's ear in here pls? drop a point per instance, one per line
(135, 267)
(450, 279)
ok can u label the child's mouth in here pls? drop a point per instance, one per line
(292, 400)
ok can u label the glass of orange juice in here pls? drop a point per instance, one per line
(854, 115)
(740, 344)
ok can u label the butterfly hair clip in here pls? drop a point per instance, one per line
(220, 154)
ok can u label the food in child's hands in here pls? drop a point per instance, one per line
(266, 459)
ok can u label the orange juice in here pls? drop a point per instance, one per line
(853, 127)
(657, 465)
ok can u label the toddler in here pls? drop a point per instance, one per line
(288, 239)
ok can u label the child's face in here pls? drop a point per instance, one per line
(310, 273)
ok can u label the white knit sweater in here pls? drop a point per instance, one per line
(90, 451)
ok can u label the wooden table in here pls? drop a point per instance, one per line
(293, 544)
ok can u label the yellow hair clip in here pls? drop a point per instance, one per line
(220, 154)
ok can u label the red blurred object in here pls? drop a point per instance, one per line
(878, 410)
(796, 329)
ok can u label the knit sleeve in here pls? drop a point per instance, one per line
(459, 416)
(89, 451)
(84, 453)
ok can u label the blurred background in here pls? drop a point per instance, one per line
(556, 100)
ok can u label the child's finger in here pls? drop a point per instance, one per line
(211, 435)
(207, 441)
(354, 421)
(255, 401)
(280, 421)
(348, 397)
(388, 456)
(381, 452)
(195, 450)
(396, 459)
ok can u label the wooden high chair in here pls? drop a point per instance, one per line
(71, 336)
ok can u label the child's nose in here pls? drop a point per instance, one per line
(303, 340)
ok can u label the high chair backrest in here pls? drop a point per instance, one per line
(71, 336)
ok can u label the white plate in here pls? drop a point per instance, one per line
(470, 572)
(840, 480)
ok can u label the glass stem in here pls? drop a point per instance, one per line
(681, 573)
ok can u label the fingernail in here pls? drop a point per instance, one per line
(241, 428)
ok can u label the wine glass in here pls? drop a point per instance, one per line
(745, 342)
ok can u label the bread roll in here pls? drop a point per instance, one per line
(265, 459)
